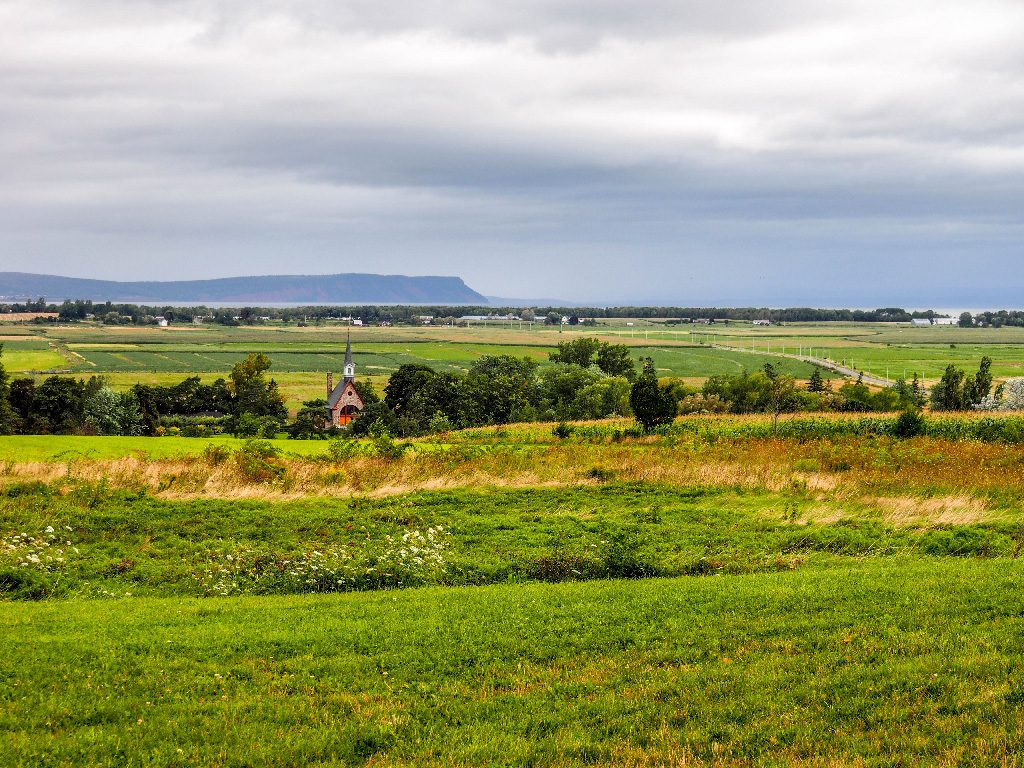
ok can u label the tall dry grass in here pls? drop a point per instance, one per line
(906, 481)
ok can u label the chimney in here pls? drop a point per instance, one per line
(330, 385)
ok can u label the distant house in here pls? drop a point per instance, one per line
(343, 401)
(945, 321)
(485, 318)
(161, 321)
(762, 322)
(424, 319)
(197, 320)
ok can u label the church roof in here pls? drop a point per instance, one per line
(338, 392)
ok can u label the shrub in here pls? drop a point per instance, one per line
(24, 584)
(342, 448)
(258, 462)
(194, 426)
(384, 446)
(806, 465)
(562, 430)
(908, 424)
(216, 454)
(622, 558)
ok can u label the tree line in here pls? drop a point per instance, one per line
(121, 313)
(246, 403)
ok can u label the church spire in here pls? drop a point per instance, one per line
(350, 367)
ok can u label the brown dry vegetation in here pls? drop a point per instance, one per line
(903, 482)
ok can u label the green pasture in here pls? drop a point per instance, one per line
(72, 447)
(929, 361)
(869, 661)
(29, 354)
(370, 358)
(701, 362)
(17, 361)
(384, 358)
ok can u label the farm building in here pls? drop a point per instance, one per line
(920, 321)
(343, 401)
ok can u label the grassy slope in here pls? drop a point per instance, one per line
(883, 661)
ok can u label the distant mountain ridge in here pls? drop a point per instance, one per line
(353, 288)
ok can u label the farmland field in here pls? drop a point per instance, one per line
(686, 351)
(301, 357)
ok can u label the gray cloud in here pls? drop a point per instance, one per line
(773, 152)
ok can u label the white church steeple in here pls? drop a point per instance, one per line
(350, 367)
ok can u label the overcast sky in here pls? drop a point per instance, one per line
(855, 153)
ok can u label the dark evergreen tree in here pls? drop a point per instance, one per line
(21, 397)
(817, 382)
(58, 405)
(917, 392)
(652, 404)
(311, 421)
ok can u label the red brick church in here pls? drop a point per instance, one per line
(343, 402)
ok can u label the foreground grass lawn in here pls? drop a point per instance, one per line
(893, 661)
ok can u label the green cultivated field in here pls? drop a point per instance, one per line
(30, 354)
(688, 362)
